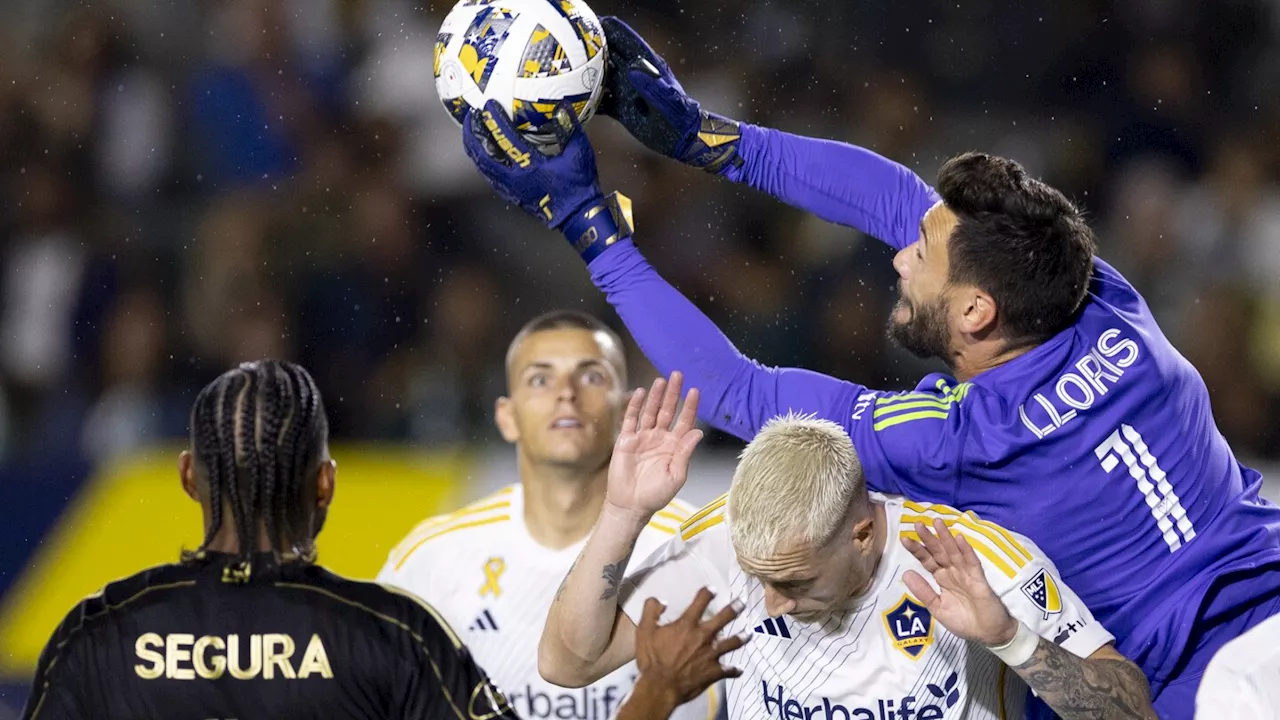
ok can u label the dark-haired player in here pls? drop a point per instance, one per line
(1066, 416)
(248, 626)
(492, 568)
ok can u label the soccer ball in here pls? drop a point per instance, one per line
(526, 54)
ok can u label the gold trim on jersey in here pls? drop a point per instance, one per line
(457, 644)
(107, 607)
(985, 526)
(446, 531)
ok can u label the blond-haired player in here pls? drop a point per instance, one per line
(831, 581)
(492, 568)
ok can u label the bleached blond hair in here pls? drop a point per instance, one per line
(795, 483)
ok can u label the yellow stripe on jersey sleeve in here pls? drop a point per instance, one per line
(981, 547)
(908, 417)
(927, 402)
(496, 501)
(706, 510)
(680, 507)
(980, 539)
(667, 529)
(988, 526)
(1008, 536)
(678, 518)
(891, 410)
(709, 521)
(448, 529)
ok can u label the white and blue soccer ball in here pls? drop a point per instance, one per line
(526, 54)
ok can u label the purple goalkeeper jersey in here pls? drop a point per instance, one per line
(1099, 444)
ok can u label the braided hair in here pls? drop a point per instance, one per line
(258, 432)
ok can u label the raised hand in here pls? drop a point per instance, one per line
(966, 605)
(651, 457)
(642, 94)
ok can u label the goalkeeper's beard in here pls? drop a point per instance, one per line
(924, 333)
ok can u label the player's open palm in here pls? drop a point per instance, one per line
(964, 603)
(651, 456)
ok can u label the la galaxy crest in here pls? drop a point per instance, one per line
(1043, 592)
(910, 626)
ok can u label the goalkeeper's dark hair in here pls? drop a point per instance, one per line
(1021, 241)
(571, 319)
(258, 433)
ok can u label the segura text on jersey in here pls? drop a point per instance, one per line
(183, 656)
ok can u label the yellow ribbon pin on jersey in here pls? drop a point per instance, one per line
(493, 569)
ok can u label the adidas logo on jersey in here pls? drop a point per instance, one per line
(776, 627)
(909, 707)
(484, 621)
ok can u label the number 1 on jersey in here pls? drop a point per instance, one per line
(1127, 445)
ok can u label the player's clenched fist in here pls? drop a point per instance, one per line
(651, 456)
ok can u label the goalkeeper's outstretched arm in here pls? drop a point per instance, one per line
(738, 394)
(838, 182)
(563, 191)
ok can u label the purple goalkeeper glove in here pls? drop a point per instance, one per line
(561, 189)
(642, 94)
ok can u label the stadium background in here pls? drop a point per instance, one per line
(184, 185)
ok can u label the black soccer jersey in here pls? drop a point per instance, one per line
(206, 639)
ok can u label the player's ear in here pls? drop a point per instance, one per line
(864, 531)
(504, 417)
(326, 480)
(978, 311)
(187, 474)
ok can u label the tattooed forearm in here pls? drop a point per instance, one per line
(1095, 689)
(612, 574)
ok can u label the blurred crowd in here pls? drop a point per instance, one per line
(189, 183)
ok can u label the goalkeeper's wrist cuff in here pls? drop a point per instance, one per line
(592, 230)
(1019, 649)
(714, 148)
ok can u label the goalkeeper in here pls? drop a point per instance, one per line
(1066, 415)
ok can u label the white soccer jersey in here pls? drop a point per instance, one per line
(885, 659)
(483, 572)
(1242, 681)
